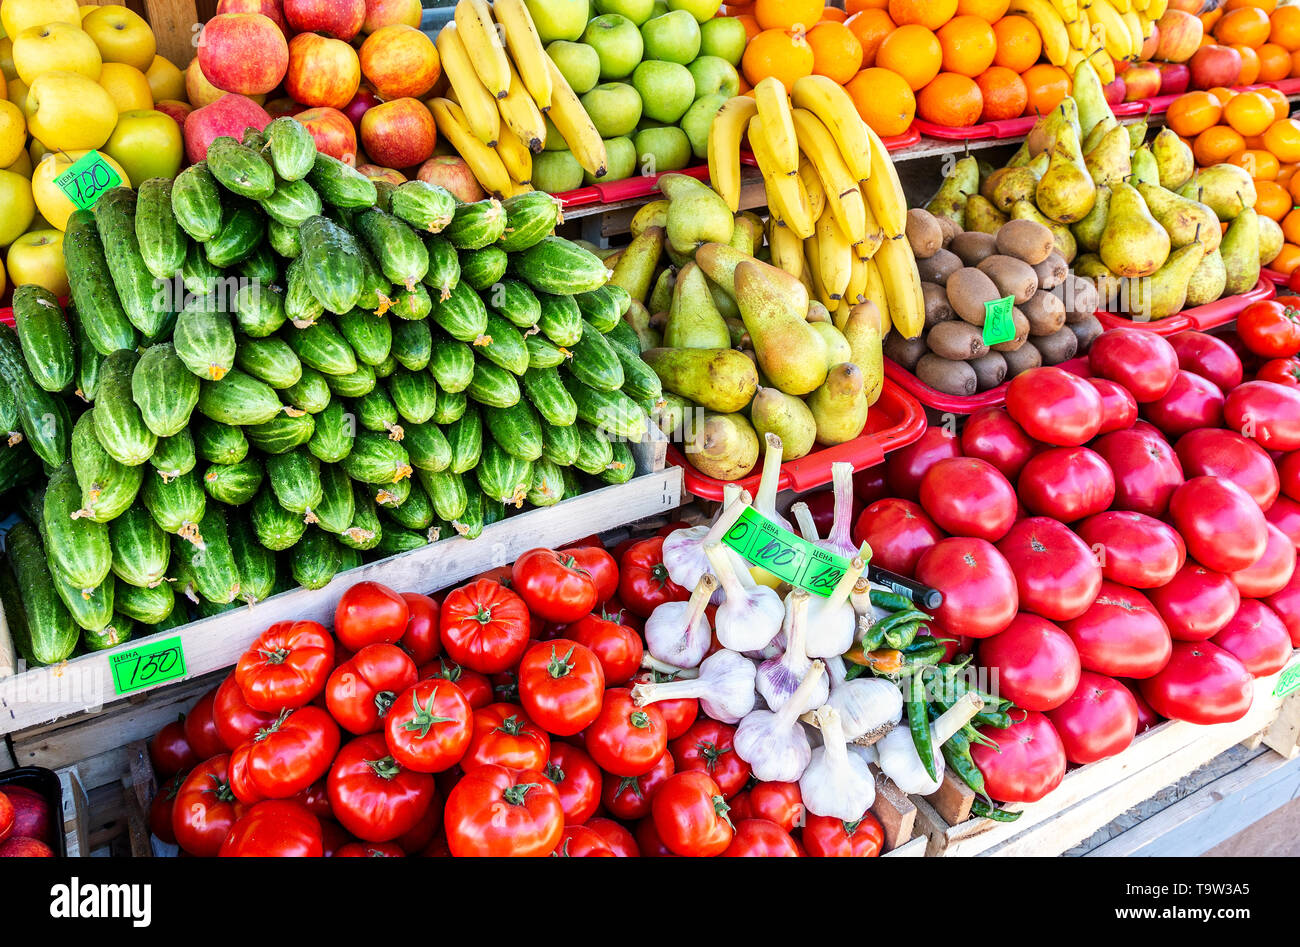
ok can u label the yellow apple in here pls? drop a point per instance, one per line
(18, 15)
(3, 283)
(122, 35)
(127, 86)
(23, 165)
(86, 11)
(18, 93)
(37, 258)
(147, 143)
(13, 133)
(7, 58)
(55, 46)
(35, 150)
(53, 204)
(165, 80)
(198, 90)
(16, 206)
(66, 110)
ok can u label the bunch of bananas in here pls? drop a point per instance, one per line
(1100, 31)
(837, 214)
(502, 87)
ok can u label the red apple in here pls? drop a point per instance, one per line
(451, 172)
(1174, 78)
(400, 61)
(380, 13)
(243, 52)
(399, 134)
(1180, 36)
(322, 71)
(1119, 65)
(229, 115)
(362, 102)
(177, 110)
(332, 132)
(340, 19)
(271, 8)
(1215, 65)
(376, 173)
(1114, 91)
(1142, 81)
(283, 106)
(1150, 45)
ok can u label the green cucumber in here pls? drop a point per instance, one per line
(370, 336)
(337, 506)
(162, 240)
(476, 225)
(174, 456)
(376, 412)
(340, 184)
(422, 205)
(141, 551)
(353, 385)
(107, 487)
(196, 202)
(164, 389)
(612, 411)
(282, 433)
(640, 383)
(483, 268)
(330, 263)
(414, 512)
(118, 632)
(259, 309)
(269, 360)
(300, 306)
(294, 477)
(543, 353)
(561, 319)
(595, 362)
(310, 394)
(547, 487)
(42, 416)
(115, 220)
(493, 385)
(556, 265)
(516, 428)
(503, 476)
(375, 458)
(205, 340)
(283, 239)
(119, 423)
(276, 527)
(426, 447)
(503, 344)
(78, 546)
(559, 443)
(462, 315)
(514, 300)
(242, 229)
(89, 363)
(293, 150)
(176, 505)
(259, 268)
(443, 274)
(452, 365)
(234, 484)
(465, 439)
(414, 394)
(315, 559)
(90, 609)
(622, 466)
(469, 524)
(253, 561)
(623, 336)
(549, 396)
(336, 429)
(322, 347)
(364, 531)
(446, 492)
(393, 494)
(397, 248)
(451, 406)
(47, 629)
(394, 540)
(595, 453)
(238, 398)
(412, 344)
(603, 306)
(291, 203)
(240, 169)
(91, 287)
(145, 605)
(219, 443)
(44, 336)
(529, 217)
(199, 277)
(410, 305)
(213, 566)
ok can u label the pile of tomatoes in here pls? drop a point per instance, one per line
(499, 721)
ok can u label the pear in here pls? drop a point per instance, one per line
(654, 214)
(693, 321)
(721, 446)
(725, 304)
(1133, 243)
(863, 332)
(1165, 291)
(1270, 239)
(1044, 133)
(718, 379)
(1184, 220)
(1088, 231)
(1099, 131)
(837, 346)
(1016, 184)
(1145, 168)
(1089, 97)
(790, 351)
(1109, 161)
(635, 269)
(1208, 280)
(786, 416)
(670, 414)
(747, 234)
(839, 406)
(960, 182)
(696, 213)
(817, 312)
(1225, 188)
(1090, 267)
(1240, 250)
(1137, 133)
(719, 262)
(1173, 158)
(1022, 155)
(1066, 192)
(661, 296)
(638, 317)
(982, 216)
(1066, 245)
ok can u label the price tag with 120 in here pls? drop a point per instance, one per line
(87, 180)
(790, 558)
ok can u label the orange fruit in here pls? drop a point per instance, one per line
(1222, 93)
(836, 15)
(1284, 28)
(1283, 139)
(787, 14)
(1214, 145)
(914, 53)
(1272, 199)
(1291, 225)
(1294, 187)
(1245, 26)
(1295, 64)
(1249, 65)
(1249, 113)
(752, 28)
(1274, 62)
(1004, 92)
(837, 54)
(1266, 5)
(1260, 165)
(1209, 18)
(1019, 43)
(884, 100)
(1046, 86)
(968, 44)
(1281, 107)
(990, 11)
(857, 6)
(950, 99)
(1193, 112)
(1285, 173)
(1288, 259)
(779, 54)
(870, 27)
(931, 14)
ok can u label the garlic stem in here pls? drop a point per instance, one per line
(650, 662)
(832, 728)
(954, 718)
(765, 499)
(732, 587)
(840, 538)
(804, 518)
(799, 700)
(844, 587)
(727, 518)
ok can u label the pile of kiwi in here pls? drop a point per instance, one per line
(963, 270)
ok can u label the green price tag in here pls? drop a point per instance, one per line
(146, 665)
(1288, 682)
(761, 542)
(999, 326)
(87, 180)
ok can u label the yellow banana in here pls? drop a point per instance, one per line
(1078, 31)
(1069, 9)
(883, 192)
(872, 236)
(834, 257)
(813, 184)
(817, 289)
(785, 191)
(842, 195)
(1056, 42)
(875, 292)
(786, 249)
(521, 115)
(483, 43)
(1121, 6)
(453, 124)
(778, 128)
(1109, 27)
(1141, 5)
(574, 125)
(1156, 8)
(1104, 65)
(520, 187)
(525, 48)
(855, 292)
(478, 103)
(1072, 61)
(827, 99)
(725, 134)
(515, 155)
(902, 283)
(1134, 24)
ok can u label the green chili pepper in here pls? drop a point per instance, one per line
(901, 636)
(890, 600)
(983, 810)
(923, 653)
(874, 639)
(897, 620)
(999, 720)
(974, 736)
(957, 752)
(918, 721)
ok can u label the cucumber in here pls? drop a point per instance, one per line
(393, 494)
(176, 505)
(293, 150)
(376, 288)
(240, 169)
(196, 202)
(315, 559)
(364, 531)
(547, 487)
(259, 309)
(253, 561)
(412, 344)
(145, 605)
(595, 362)
(543, 353)
(482, 268)
(204, 340)
(89, 363)
(310, 394)
(529, 217)
(556, 265)
(337, 506)
(376, 412)
(623, 336)
(78, 547)
(234, 484)
(385, 368)
(349, 558)
(199, 277)
(504, 345)
(334, 435)
(494, 511)
(462, 315)
(18, 466)
(502, 476)
(180, 615)
(276, 528)
(291, 203)
(559, 443)
(242, 229)
(269, 360)
(141, 551)
(330, 264)
(370, 336)
(451, 405)
(238, 398)
(91, 287)
(48, 630)
(410, 305)
(452, 365)
(414, 395)
(322, 347)
(603, 306)
(476, 225)
(397, 248)
(219, 443)
(446, 492)
(422, 205)
(493, 385)
(119, 423)
(612, 411)
(622, 466)
(283, 239)
(115, 220)
(517, 429)
(282, 433)
(470, 522)
(164, 390)
(259, 268)
(595, 453)
(162, 240)
(376, 459)
(384, 195)
(174, 456)
(90, 609)
(118, 632)
(42, 416)
(294, 477)
(640, 383)
(414, 512)
(394, 540)
(561, 319)
(44, 336)
(514, 300)
(427, 447)
(340, 184)
(213, 567)
(354, 385)
(549, 396)
(300, 306)
(443, 274)
(107, 487)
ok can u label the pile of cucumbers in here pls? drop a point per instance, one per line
(273, 369)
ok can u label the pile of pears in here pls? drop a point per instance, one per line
(738, 344)
(1136, 217)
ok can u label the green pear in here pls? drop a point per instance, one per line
(1066, 193)
(1225, 188)
(671, 413)
(638, 317)
(1173, 158)
(786, 416)
(1088, 231)
(1133, 243)
(1045, 131)
(1240, 250)
(661, 296)
(718, 379)
(862, 329)
(790, 351)
(1066, 245)
(1137, 133)
(635, 269)
(839, 406)
(1270, 239)
(1184, 220)
(739, 337)
(1089, 97)
(1109, 161)
(1022, 155)
(696, 213)
(693, 321)
(960, 182)
(1208, 280)
(1145, 169)
(1009, 185)
(725, 304)
(1099, 131)
(982, 216)
(1090, 267)
(1164, 292)
(719, 262)
(817, 312)
(837, 346)
(721, 446)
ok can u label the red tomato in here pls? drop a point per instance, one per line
(1037, 663)
(648, 841)
(277, 828)
(495, 812)
(286, 757)
(1122, 634)
(869, 485)
(484, 627)
(625, 739)
(1066, 483)
(578, 841)
(628, 797)
(160, 810)
(1055, 406)
(978, 586)
(1220, 522)
(708, 746)
(370, 613)
(1272, 571)
(286, 666)
(1029, 762)
(690, 816)
(1119, 409)
(620, 841)
(372, 795)
(1145, 468)
(1138, 359)
(1098, 720)
(969, 497)
(1202, 684)
(781, 803)
(1147, 718)
(22, 847)
(427, 829)
(759, 838)
(1197, 602)
(618, 648)
(1286, 605)
(1285, 515)
(1134, 549)
(577, 779)
(169, 751)
(428, 727)
(825, 837)
(680, 712)
(954, 645)
(316, 799)
(600, 566)
(1057, 575)
(1280, 371)
(1226, 454)
(898, 531)
(905, 467)
(561, 685)
(370, 850)
(362, 689)
(554, 585)
(201, 728)
(992, 436)
(475, 686)
(1267, 412)
(1288, 469)
(236, 721)
(1193, 402)
(506, 736)
(422, 639)
(1208, 357)
(31, 813)
(1257, 638)
(205, 808)
(1271, 327)
(643, 583)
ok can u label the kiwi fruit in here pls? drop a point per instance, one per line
(1058, 347)
(1080, 298)
(949, 227)
(937, 308)
(1021, 360)
(1086, 331)
(1012, 277)
(973, 246)
(968, 290)
(946, 375)
(906, 352)
(990, 370)
(1045, 312)
(1026, 240)
(923, 233)
(956, 340)
(1022, 333)
(939, 266)
(1051, 272)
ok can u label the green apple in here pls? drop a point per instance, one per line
(714, 74)
(577, 62)
(614, 107)
(667, 89)
(556, 171)
(147, 143)
(559, 19)
(554, 140)
(617, 42)
(725, 37)
(702, 10)
(698, 119)
(673, 37)
(620, 160)
(660, 8)
(662, 149)
(638, 11)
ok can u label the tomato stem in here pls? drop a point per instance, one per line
(511, 725)
(386, 768)
(721, 808)
(560, 667)
(424, 718)
(275, 657)
(515, 794)
(639, 719)
(384, 702)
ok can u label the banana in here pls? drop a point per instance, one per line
(842, 194)
(514, 154)
(1104, 65)
(872, 235)
(574, 125)
(827, 99)
(817, 289)
(1134, 24)
(477, 102)
(875, 293)
(1069, 9)
(1122, 6)
(902, 283)
(856, 290)
(1056, 42)
(520, 187)
(786, 249)
(1110, 29)
(525, 49)
(1141, 5)
(813, 184)
(1078, 31)
(453, 124)
(1156, 8)
(834, 257)
(883, 192)
(1072, 61)
(785, 192)
(521, 115)
(483, 43)
(774, 114)
(725, 134)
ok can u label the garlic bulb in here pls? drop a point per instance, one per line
(897, 751)
(725, 687)
(864, 704)
(778, 678)
(678, 633)
(836, 784)
(750, 615)
(831, 621)
(840, 541)
(774, 743)
(684, 548)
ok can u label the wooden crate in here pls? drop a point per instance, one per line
(112, 818)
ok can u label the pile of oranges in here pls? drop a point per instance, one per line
(1267, 37)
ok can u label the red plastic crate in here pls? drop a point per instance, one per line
(1002, 128)
(1281, 279)
(624, 190)
(895, 420)
(961, 404)
(1202, 318)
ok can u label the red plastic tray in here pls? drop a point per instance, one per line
(1201, 318)
(905, 140)
(1281, 279)
(624, 190)
(895, 420)
(961, 404)
(1286, 86)
(1003, 128)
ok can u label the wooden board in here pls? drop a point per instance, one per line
(76, 812)
(1284, 734)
